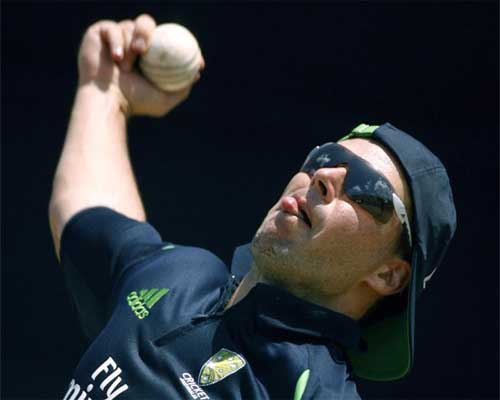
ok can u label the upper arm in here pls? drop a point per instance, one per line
(96, 245)
(63, 207)
(58, 218)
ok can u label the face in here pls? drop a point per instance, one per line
(316, 241)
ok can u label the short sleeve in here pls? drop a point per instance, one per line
(96, 245)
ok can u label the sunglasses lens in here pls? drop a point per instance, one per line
(362, 183)
(379, 208)
(369, 189)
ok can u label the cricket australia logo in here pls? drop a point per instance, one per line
(142, 302)
(219, 366)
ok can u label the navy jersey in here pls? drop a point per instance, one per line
(155, 316)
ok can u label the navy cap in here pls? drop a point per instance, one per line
(389, 331)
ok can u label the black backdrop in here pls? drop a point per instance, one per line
(280, 78)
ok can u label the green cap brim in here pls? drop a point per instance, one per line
(390, 342)
(389, 353)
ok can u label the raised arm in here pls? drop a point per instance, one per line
(94, 168)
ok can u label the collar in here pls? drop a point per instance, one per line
(242, 261)
(278, 313)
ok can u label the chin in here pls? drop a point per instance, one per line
(275, 257)
(269, 247)
(268, 242)
(284, 262)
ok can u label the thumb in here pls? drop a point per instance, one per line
(144, 98)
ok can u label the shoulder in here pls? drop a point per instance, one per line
(328, 375)
(194, 277)
(178, 263)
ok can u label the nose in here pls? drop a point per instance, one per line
(328, 182)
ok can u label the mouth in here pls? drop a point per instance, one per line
(304, 217)
(296, 205)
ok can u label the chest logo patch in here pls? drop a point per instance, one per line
(142, 302)
(219, 366)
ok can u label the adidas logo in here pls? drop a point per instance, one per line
(143, 301)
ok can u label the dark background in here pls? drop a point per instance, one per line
(280, 78)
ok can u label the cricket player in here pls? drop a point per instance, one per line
(325, 292)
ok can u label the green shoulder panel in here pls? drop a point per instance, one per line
(301, 384)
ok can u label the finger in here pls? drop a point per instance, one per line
(144, 27)
(112, 35)
(156, 102)
(127, 27)
(175, 98)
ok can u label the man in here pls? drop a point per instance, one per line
(326, 289)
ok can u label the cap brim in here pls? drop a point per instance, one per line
(390, 343)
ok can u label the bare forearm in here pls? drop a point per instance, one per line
(94, 168)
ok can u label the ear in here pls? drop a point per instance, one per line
(390, 278)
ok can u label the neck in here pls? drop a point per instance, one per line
(249, 281)
(354, 303)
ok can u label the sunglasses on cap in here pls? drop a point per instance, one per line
(362, 184)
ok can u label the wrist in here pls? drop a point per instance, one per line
(105, 97)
